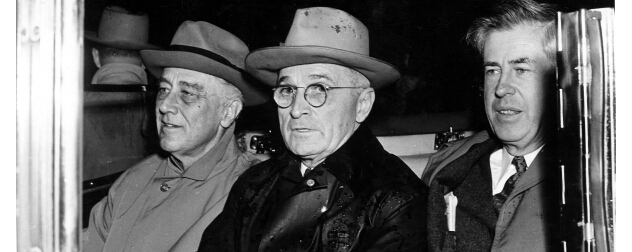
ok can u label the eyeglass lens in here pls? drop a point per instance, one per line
(315, 95)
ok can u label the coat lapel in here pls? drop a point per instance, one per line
(469, 177)
(292, 225)
(296, 220)
(535, 174)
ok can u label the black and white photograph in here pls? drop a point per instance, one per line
(318, 125)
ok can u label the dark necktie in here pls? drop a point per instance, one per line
(501, 197)
(307, 171)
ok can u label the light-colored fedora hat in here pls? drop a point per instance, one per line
(206, 48)
(120, 29)
(322, 35)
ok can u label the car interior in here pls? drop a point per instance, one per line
(438, 100)
(412, 118)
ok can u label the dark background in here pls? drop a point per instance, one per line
(440, 88)
(442, 77)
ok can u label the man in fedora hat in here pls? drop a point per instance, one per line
(117, 46)
(165, 202)
(336, 189)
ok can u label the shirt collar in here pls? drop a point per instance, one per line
(303, 169)
(528, 157)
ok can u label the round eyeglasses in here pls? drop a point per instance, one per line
(315, 94)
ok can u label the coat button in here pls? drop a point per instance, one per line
(310, 182)
(164, 187)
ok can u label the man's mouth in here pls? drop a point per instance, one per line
(301, 129)
(508, 112)
(506, 109)
(169, 125)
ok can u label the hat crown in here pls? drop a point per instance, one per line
(208, 49)
(117, 24)
(327, 27)
(211, 38)
(322, 35)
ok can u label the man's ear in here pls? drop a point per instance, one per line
(95, 56)
(364, 105)
(231, 111)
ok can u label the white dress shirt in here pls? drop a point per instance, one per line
(502, 169)
(303, 169)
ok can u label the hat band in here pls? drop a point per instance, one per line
(205, 53)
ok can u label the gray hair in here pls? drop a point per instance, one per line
(357, 79)
(230, 92)
(508, 14)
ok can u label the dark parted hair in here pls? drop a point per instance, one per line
(507, 14)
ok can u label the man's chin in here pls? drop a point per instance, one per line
(303, 151)
(512, 137)
(169, 146)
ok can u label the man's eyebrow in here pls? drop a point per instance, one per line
(195, 86)
(490, 63)
(162, 79)
(521, 60)
(512, 62)
(283, 79)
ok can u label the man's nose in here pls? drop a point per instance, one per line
(168, 104)
(300, 106)
(505, 86)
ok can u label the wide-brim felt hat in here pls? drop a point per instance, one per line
(322, 35)
(120, 29)
(206, 48)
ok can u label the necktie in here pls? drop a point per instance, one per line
(501, 197)
(307, 171)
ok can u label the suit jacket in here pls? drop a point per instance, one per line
(361, 198)
(528, 220)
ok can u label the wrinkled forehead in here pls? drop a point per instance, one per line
(303, 74)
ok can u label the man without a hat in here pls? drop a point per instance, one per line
(117, 44)
(505, 181)
(165, 202)
(336, 189)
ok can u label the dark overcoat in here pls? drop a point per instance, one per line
(360, 198)
(528, 221)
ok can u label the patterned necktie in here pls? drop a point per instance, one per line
(501, 197)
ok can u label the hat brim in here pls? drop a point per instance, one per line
(264, 64)
(128, 45)
(157, 60)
